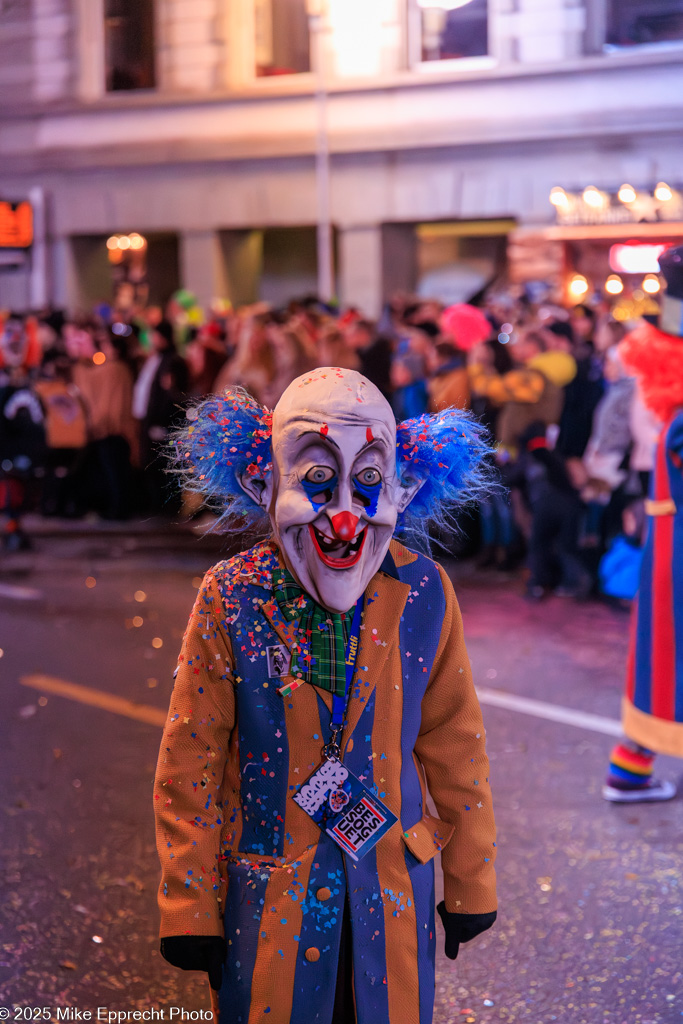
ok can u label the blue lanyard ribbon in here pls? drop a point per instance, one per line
(339, 703)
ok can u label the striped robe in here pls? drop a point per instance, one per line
(239, 857)
(653, 705)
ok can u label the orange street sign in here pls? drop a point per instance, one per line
(16, 225)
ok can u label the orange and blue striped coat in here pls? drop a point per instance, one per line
(240, 858)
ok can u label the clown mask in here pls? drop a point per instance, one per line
(334, 494)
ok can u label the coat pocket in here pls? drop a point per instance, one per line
(427, 836)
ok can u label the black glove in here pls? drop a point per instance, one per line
(462, 927)
(197, 953)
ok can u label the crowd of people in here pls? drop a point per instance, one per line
(87, 405)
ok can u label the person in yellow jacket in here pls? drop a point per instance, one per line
(323, 686)
(529, 393)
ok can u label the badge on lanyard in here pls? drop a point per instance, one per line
(343, 807)
(339, 803)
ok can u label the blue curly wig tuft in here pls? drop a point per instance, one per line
(225, 437)
(449, 452)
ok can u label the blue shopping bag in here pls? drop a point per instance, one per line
(619, 571)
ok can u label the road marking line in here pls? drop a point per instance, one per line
(154, 716)
(17, 593)
(552, 712)
(96, 698)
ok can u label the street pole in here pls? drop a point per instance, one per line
(39, 255)
(326, 289)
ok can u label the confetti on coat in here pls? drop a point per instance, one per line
(241, 858)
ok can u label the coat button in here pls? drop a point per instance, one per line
(312, 954)
(323, 894)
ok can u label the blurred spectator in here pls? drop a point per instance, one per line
(606, 456)
(20, 351)
(253, 365)
(374, 352)
(335, 350)
(22, 428)
(449, 385)
(66, 435)
(157, 398)
(293, 355)
(530, 392)
(555, 512)
(106, 386)
(205, 356)
(412, 363)
(645, 430)
(584, 391)
(464, 326)
(608, 333)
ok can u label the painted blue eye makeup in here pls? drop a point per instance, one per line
(368, 485)
(319, 484)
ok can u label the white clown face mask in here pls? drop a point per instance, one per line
(334, 495)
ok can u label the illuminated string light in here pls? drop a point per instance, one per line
(558, 197)
(627, 194)
(578, 285)
(663, 192)
(614, 285)
(651, 284)
(593, 197)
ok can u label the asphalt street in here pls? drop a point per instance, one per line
(591, 895)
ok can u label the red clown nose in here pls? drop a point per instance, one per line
(344, 525)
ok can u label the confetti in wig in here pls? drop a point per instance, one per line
(656, 359)
(228, 437)
(450, 453)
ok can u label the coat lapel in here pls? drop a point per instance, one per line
(385, 600)
(286, 631)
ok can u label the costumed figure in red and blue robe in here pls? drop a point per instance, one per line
(653, 704)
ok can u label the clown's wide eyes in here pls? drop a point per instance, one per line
(319, 475)
(369, 477)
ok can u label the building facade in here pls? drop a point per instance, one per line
(194, 125)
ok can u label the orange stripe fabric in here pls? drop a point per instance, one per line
(400, 920)
(276, 955)
(197, 733)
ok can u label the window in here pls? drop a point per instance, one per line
(282, 38)
(457, 33)
(642, 22)
(129, 44)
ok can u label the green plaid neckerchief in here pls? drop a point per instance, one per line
(326, 635)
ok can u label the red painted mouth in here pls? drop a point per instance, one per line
(337, 554)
